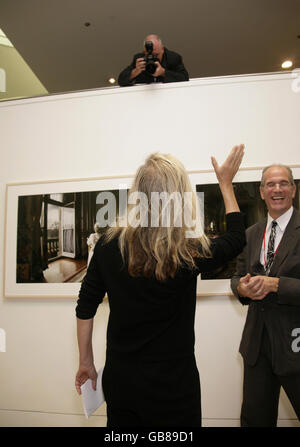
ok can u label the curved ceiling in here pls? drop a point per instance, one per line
(79, 44)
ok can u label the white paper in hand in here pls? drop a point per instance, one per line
(92, 399)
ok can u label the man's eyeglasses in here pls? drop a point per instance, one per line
(283, 184)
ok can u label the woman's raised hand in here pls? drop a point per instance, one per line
(226, 172)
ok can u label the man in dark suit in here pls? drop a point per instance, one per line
(169, 66)
(268, 280)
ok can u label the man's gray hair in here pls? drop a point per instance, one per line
(157, 37)
(291, 178)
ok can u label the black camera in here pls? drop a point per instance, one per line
(150, 59)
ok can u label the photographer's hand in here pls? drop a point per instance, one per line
(160, 71)
(140, 65)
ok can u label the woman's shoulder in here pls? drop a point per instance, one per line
(107, 242)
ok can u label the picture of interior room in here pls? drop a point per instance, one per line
(53, 233)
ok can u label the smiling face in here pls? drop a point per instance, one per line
(277, 190)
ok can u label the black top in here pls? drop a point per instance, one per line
(153, 318)
(171, 62)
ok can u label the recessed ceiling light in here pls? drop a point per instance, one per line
(287, 64)
(112, 80)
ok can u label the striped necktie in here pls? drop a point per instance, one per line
(271, 244)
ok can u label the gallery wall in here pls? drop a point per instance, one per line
(109, 132)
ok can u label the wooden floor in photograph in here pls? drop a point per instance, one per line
(65, 270)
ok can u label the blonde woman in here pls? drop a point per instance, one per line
(149, 273)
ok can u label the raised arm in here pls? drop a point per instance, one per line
(225, 174)
(230, 244)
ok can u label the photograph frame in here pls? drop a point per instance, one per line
(12, 289)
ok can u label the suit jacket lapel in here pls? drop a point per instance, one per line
(256, 266)
(292, 232)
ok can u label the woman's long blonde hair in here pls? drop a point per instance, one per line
(161, 249)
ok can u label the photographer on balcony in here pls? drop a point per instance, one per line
(156, 64)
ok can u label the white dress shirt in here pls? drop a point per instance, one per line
(282, 222)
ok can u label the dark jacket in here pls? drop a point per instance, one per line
(172, 63)
(279, 312)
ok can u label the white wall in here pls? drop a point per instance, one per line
(110, 132)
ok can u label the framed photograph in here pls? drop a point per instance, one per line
(51, 230)
(52, 227)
